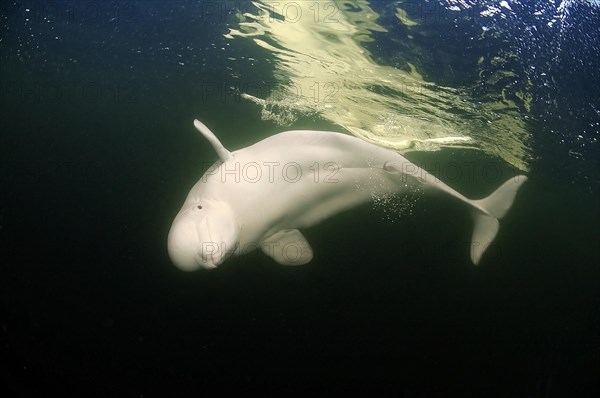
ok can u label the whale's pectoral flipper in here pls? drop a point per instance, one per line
(223, 153)
(288, 247)
(487, 211)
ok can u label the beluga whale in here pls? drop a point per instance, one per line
(263, 195)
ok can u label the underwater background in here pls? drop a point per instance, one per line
(98, 152)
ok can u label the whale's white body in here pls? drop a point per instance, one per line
(261, 195)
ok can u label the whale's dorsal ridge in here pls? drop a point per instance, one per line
(223, 153)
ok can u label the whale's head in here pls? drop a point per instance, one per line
(203, 235)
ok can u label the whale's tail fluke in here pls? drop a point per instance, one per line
(486, 213)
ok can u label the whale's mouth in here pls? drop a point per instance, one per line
(206, 261)
(215, 259)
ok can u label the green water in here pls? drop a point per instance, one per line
(390, 304)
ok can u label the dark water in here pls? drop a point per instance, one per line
(98, 153)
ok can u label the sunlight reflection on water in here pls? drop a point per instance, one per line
(324, 68)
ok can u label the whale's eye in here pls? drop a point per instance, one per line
(199, 207)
